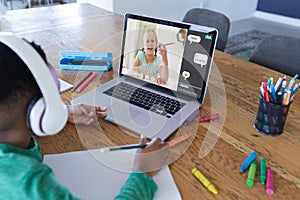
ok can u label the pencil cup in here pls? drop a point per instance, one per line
(270, 117)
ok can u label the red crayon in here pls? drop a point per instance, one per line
(209, 117)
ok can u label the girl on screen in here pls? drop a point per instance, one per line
(150, 65)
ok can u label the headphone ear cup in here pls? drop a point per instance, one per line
(35, 115)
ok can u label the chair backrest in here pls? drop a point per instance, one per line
(210, 18)
(280, 53)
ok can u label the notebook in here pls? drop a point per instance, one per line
(93, 175)
(157, 91)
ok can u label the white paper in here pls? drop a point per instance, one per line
(89, 176)
(64, 85)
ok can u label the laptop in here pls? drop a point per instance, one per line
(163, 76)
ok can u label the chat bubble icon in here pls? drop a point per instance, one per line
(186, 74)
(194, 38)
(200, 59)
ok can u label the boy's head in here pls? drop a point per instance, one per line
(17, 84)
(29, 97)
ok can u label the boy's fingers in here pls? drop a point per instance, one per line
(143, 139)
(84, 109)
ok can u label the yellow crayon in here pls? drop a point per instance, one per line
(204, 180)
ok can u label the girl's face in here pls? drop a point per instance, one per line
(150, 43)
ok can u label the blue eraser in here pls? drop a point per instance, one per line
(248, 161)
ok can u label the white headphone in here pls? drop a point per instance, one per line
(48, 115)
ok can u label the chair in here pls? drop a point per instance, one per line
(210, 18)
(280, 53)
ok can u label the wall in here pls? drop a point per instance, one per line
(106, 4)
(234, 9)
(288, 8)
(175, 9)
(166, 9)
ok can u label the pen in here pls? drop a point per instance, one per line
(204, 180)
(292, 82)
(270, 80)
(90, 62)
(283, 85)
(86, 82)
(166, 44)
(124, 147)
(248, 161)
(286, 99)
(296, 88)
(278, 84)
(170, 144)
(273, 93)
(208, 117)
(80, 82)
(266, 96)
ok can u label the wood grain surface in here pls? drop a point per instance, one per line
(217, 148)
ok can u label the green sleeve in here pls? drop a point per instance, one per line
(138, 186)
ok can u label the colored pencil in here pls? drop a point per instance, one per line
(80, 82)
(86, 82)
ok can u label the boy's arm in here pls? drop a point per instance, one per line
(138, 186)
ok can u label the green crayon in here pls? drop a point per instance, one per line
(263, 169)
(251, 174)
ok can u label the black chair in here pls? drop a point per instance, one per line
(280, 53)
(210, 18)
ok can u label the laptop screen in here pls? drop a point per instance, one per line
(173, 55)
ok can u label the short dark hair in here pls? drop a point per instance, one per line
(16, 81)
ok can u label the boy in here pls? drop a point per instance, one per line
(23, 175)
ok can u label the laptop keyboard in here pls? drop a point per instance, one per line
(145, 99)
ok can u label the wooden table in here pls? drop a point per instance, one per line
(218, 147)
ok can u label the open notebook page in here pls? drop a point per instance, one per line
(64, 85)
(90, 179)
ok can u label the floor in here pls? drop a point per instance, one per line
(265, 26)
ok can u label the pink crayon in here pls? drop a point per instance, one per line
(269, 184)
(208, 118)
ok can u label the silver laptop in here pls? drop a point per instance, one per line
(163, 76)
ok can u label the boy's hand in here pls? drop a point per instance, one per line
(151, 158)
(84, 114)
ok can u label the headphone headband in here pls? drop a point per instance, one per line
(54, 113)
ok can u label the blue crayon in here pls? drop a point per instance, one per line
(248, 161)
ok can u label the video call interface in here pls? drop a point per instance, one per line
(187, 51)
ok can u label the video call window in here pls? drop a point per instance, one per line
(145, 39)
(176, 58)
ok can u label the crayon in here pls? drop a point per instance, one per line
(178, 140)
(251, 174)
(204, 180)
(208, 117)
(248, 161)
(263, 169)
(269, 184)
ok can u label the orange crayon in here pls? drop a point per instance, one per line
(178, 140)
